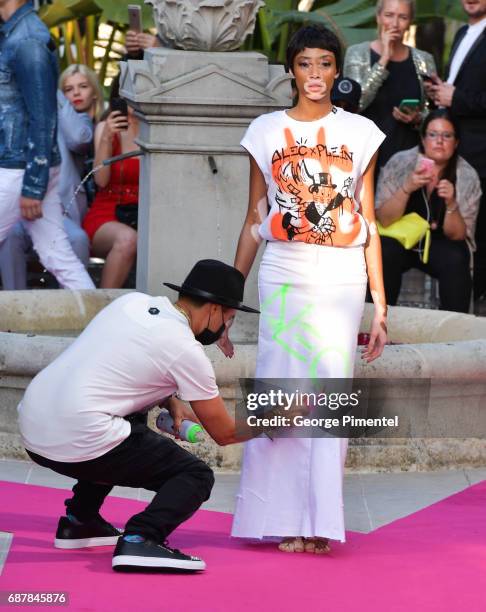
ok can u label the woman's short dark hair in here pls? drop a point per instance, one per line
(442, 113)
(313, 37)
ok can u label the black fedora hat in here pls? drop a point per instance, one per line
(216, 282)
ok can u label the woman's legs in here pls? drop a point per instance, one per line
(449, 262)
(396, 261)
(117, 243)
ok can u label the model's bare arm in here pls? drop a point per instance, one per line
(249, 240)
(378, 332)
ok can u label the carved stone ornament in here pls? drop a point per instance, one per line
(205, 25)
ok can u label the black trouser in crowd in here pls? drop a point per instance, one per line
(480, 254)
(181, 481)
(448, 262)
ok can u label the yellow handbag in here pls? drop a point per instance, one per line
(409, 230)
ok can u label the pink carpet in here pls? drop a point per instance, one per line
(433, 560)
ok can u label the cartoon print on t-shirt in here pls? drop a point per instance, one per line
(312, 206)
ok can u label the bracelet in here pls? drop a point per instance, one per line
(449, 211)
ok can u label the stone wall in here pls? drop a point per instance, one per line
(455, 347)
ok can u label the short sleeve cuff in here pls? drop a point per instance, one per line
(373, 142)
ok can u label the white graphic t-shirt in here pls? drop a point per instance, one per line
(136, 352)
(313, 171)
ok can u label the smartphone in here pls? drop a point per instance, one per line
(135, 17)
(119, 104)
(409, 105)
(425, 164)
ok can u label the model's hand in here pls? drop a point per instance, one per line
(446, 190)
(115, 123)
(224, 343)
(180, 412)
(378, 337)
(30, 209)
(406, 117)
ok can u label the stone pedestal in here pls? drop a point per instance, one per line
(194, 108)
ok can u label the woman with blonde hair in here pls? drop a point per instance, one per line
(81, 86)
(391, 72)
(111, 220)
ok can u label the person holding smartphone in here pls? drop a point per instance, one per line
(117, 184)
(389, 72)
(433, 181)
(136, 40)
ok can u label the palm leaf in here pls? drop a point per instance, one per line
(352, 19)
(61, 11)
(116, 11)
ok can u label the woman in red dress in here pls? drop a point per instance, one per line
(117, 186)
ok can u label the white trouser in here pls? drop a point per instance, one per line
(48, 234)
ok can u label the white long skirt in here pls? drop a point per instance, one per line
(311, 300)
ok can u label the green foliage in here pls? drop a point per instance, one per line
(353, 21)
(62, 11)
(448, 9)
(116, 11)
(113, 11)
(75, 25)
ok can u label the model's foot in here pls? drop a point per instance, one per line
(318, 546)
(96, 532)
(134, 553)
(292, 545)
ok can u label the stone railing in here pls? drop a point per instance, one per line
(437, 345)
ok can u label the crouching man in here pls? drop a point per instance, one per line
(136, 352)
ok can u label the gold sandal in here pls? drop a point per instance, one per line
(292, 545)
(318, 546)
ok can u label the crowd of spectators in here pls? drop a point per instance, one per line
(433, 161)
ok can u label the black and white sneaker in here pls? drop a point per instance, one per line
(96, 532)
(139, 554)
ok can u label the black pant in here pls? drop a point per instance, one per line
(480, 254)
(182, 482)
(448, 262)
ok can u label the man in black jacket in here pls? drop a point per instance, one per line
(464, 92)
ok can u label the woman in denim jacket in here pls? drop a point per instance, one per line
(80, 102)
(29, 155)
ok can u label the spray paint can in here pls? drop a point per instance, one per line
(189, 431)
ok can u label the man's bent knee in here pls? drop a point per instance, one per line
(205, 476)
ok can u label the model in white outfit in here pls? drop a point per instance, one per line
(314, 166)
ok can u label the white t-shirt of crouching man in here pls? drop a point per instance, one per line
(133, 354)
